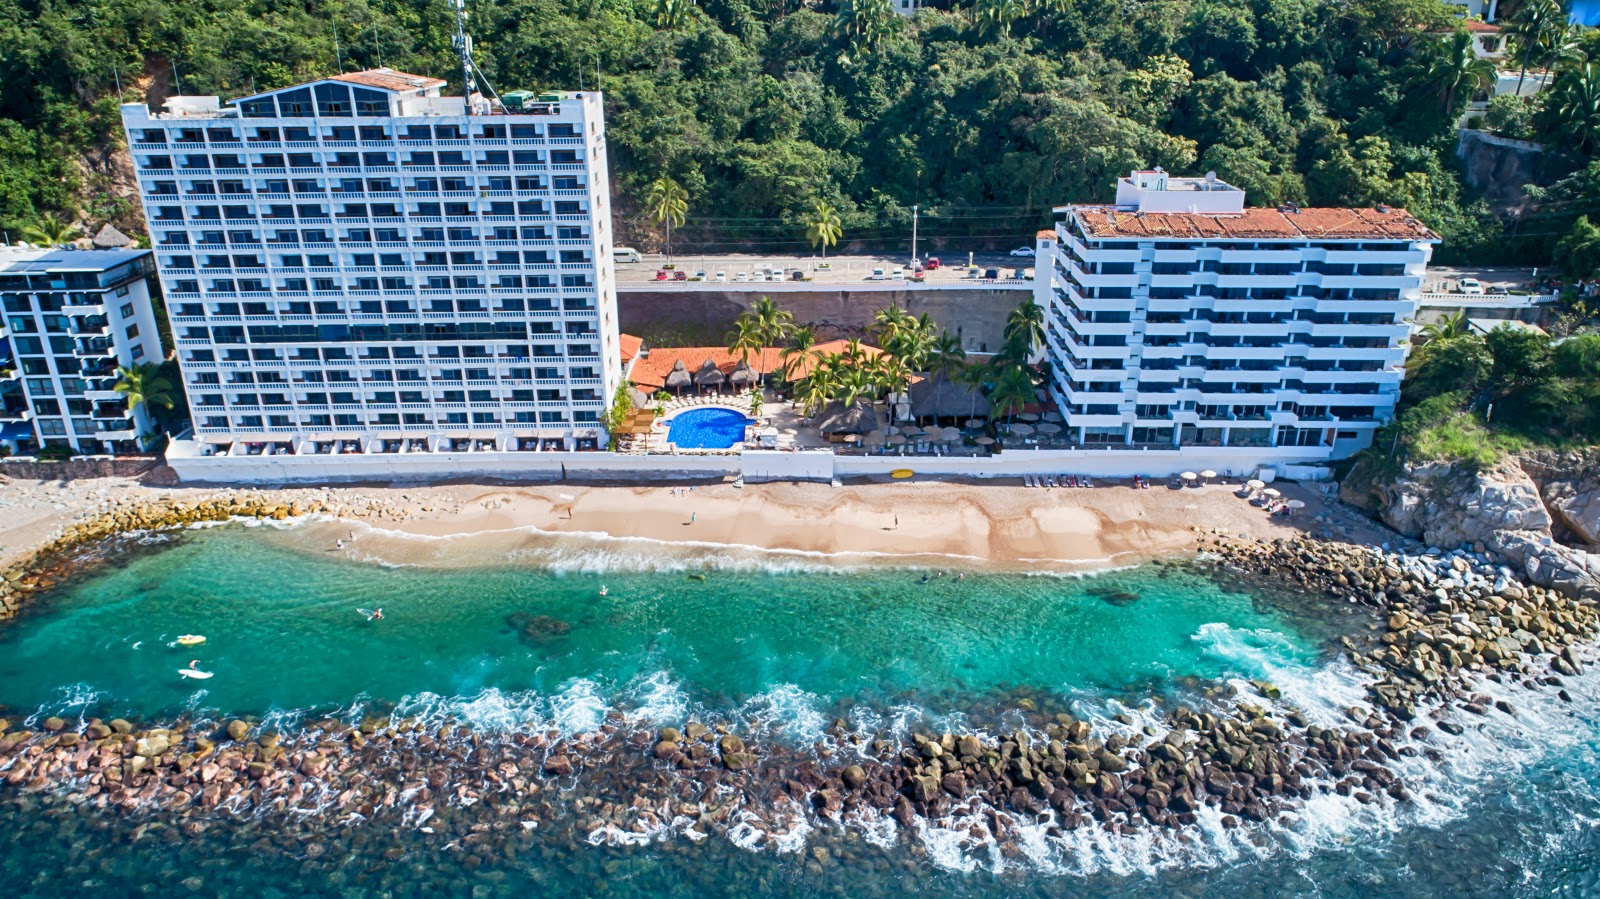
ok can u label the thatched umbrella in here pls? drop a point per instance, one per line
(857, 418)
(679, 377)
(939, 397)
(742, 376)
(709, 375)
(640, 399)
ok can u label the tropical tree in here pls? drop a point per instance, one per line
(50, 230)
(1451, 326)
(824, 226)
(1013, 389)
(891, 326)
(972, 376)
(1575, 104)
(1453, 67)
(862, 24)
(1024, 330)
(746, 338)
(669, 14)
(945, 357)
(1531, 28)
(996, 16)
(667, 202)
(143, 385)
(1578, 253)
(799, 351)
(759, 327)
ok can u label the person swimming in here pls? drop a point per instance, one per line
(603, 590)
(372, 614)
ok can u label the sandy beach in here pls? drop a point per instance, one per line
(999, 523)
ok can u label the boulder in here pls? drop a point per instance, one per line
(853, 776)
(738, 761)
(238, 730)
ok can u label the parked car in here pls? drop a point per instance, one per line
(741, 276)
(877, 274)
(625, 254)
(680, 275)
(661, 274)
(933, 263)
(1472, 286)
(720, 276)
(974, 272)
(993, 274)
(898, 274)
(699, 276)
(797, 275)
(1023, 251)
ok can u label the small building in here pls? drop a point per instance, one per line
(72, 318)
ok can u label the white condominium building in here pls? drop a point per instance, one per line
(359, 265)
(1177, 317)
(72, 318)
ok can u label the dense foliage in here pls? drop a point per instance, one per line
(985, 115)
(1470, 396)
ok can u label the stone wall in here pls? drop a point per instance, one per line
(704, 317)
(75, 469)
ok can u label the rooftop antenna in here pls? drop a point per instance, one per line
(338, 54)
(470, 73)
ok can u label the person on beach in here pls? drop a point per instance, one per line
(692, 517)
(338, 544)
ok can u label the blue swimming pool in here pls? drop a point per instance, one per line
(707, 428)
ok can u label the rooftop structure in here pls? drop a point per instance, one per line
(72, 318)
(1179, 317)
(357, 262)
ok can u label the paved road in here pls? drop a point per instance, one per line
(840, 270)
(1445, 278)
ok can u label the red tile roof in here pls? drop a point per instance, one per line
(1311, 223)
(1045, 235)
(1479, 27)
(388, 79)
(650, 372)
(631, 346)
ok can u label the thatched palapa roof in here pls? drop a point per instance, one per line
(939, 397)
(858, 418)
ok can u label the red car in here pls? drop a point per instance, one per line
(933, 263)
(680, 275)
(661, 274)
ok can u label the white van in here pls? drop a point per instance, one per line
(625, 254)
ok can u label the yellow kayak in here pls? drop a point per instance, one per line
(191, 640)
(901, 474)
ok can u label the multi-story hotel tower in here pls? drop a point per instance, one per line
(360, 264)
(1178, 317)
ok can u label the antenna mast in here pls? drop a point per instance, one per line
(464, 47)
(470, 73)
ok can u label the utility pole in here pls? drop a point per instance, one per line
(913, 235)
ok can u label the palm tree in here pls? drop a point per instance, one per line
(1575, 103)
(799, 351)
(1454, 67)
(667, 203)
(50, 230)
(945, 357)
(862, 24)
(141, 384)
(1025, 327)
(824, 226)
(773, 324)
(996, 16)
(890, 326)
(1012, 390)
(1451, 326)
(972, 376)
(746, 338)
(817, 389)
(893, 373)
(670, 14)
(1531, 27)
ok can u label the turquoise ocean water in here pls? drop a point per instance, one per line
(1509, 808)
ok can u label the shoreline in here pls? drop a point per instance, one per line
(976, 524)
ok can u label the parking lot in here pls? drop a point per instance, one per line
(833, 270)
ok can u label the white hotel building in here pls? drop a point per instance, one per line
(358, 265)
(71, 319)
(1179, 318)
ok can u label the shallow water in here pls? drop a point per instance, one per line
(1510, 808)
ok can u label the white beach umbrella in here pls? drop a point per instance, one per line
(1255, 484)
(1022, 430)
(984, 441)
(1271, 492)
(895, 439)
(1048, 428)
(1296, 504)
(1053, 416)
(1188, 476)
(1029, 416)
(974, 422)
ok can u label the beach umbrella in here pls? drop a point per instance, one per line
(1048, 428)
(1296, 504)
(1270, 492)
(984, 441)
(913, 431)
(1208, 474)
(1022, 430)
(895, 439)
(875, 438)
(679, 377)
(974, 422)
(1188, 476)
(1029, 416)
(1053, 416)
(1255, 484)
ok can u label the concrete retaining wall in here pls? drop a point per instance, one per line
(703, 317)
(33, 470)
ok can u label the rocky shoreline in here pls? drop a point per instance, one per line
(1439, 622)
